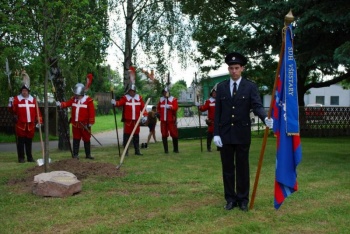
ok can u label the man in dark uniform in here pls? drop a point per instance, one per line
(232, 130)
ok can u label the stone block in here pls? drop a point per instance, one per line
(56, 184)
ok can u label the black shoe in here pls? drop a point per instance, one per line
(243, 207)
(76, 157)
(146, 145)
(142, 145)
(21, 161)
(137, 152)
(89, 157)
(31, 160)
(176, 151)
(209, 150)
(230, 205)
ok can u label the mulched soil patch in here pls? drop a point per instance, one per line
(79, 168)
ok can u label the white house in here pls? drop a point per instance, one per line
(187, 96)
(333, 95)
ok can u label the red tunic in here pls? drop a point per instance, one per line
(132, 107)
(83, 112)
(209, 106)
(168, 116)
(26, 113)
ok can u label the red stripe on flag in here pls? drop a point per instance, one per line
(296, 186)
(278, 137)
(296, 142)
(279, 197)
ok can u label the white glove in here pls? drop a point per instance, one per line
(89, 125)
(167, 106)
(10, 102)
(197, 104)
(58, 104)
(38, 125)
(269, 122)
(113, 102)
(217, 141)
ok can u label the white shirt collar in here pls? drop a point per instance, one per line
(136, 97)
(237, 82)
(30, 97)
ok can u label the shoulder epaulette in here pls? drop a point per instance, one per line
(249, 80)
(222, 82)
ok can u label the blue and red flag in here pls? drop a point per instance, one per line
(285, 113)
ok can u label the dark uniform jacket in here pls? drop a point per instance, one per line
(232, 115)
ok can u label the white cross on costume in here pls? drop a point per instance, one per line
(78, 106)
(133, 104)
(27, 106)
(165, 110)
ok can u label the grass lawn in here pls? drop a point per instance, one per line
(183, 193)
(102, 123)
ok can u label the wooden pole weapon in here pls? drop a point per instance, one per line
(200, 126)
(132, 134)
(115, 117)
(40, 162)
(199, 112)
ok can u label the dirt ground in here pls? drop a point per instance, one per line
(81, 169)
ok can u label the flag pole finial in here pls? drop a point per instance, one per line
(289, 18)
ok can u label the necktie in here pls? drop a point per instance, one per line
(234, 89)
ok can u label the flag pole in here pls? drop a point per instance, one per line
(287, 20)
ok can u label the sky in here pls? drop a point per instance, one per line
(114, 59)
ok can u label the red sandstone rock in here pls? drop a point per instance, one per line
(56, 184)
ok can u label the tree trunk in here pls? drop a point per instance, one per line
(59, 87)
(128, 42)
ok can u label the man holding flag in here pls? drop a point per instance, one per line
(285, 113)
(232, 130)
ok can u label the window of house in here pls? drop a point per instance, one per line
(320, 99)
(335, 100)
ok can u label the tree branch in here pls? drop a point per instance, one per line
(327, 83)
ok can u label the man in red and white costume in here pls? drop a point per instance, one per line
(209, 106)
(133, 105)
(24, 109)
(167, 109)
(83, 117)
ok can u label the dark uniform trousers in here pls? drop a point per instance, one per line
(232, 155)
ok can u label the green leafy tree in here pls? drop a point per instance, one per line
(178, 87)
(253, 27)
(74, 32)
(66, 36)
(155, 28)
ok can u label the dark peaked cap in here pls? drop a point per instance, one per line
(235, 58)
